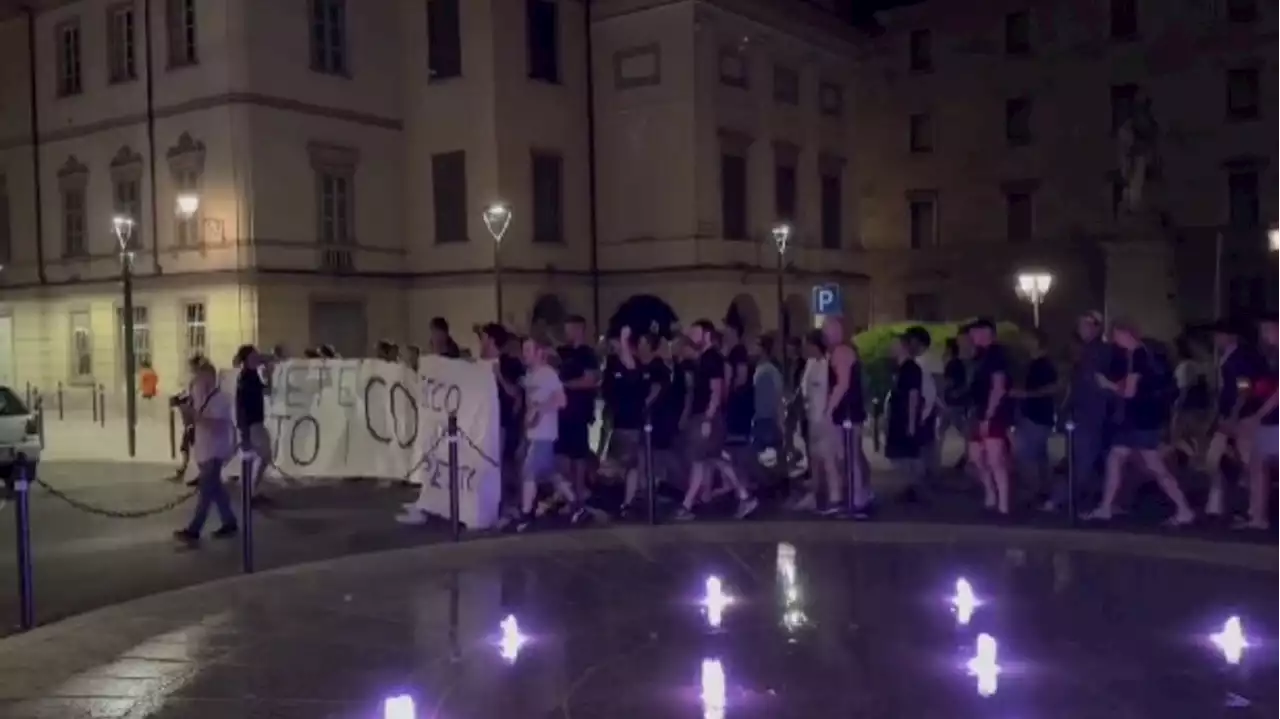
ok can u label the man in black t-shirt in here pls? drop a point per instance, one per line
(508, 370)
(1036, 416)
(1141, 429)
(991, 414)
(704, 433)
(580, 375)
(636, 389)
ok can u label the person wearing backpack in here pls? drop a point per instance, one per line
(1142, 390)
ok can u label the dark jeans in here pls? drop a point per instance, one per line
(209, 482)
(1088, 445)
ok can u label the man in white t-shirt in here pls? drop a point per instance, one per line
(544, 398)
(213, 444)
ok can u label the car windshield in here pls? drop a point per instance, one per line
(10, 405)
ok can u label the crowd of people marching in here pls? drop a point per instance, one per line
(705, 405)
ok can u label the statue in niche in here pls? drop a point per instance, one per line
(1137, 141)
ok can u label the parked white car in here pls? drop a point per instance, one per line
(19, 433)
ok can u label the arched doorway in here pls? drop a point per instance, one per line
(744, 314)
(643, 313)
(547, 319)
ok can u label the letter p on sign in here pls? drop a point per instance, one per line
(826, 300)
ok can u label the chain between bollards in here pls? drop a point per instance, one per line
(650, 482)
(26, 592)
(455, 510)
(246, 511)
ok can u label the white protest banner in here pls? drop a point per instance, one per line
(339, 418)
(469, 391)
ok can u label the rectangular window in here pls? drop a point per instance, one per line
(141, 336)
(542, 18)
(832, 210)
(73, 223)
(920, 56)
(81, 346)
(337, 208)
(784, 191)
(1017, 121)
(1243, 99)
(444, 39)
(1244, 208)
(449, 196)
(70, 82)
(923, 307)
(733, 196)
(1124, 19)
(920, 133)
(1019, 216)
(831, 99)
(1242, 10)
(188, 228)
(329, 36)
(121, 63)
(1124, 100)
(127, 201)
(548, 197)
(6, 225)
(1017, 33)
(180, 22)
(786, 85)
(197, 330)
(923, 222)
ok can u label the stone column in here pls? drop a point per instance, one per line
(1140, 285)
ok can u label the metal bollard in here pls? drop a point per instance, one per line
(173, 434)
(102, 405)
(876, 412)
(455, 510)
(849, 458)
(28, 395)
(1071, 471)
(650, 482)
(40, 417)
(93, 395)
(22, 487)
(59, 401)
(246, 512)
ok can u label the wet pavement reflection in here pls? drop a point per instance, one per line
(776, 629)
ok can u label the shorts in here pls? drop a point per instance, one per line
(1031, 442)
(996, 429)
(626, 447)
(574, 441)
(539, 463)
(826, 440)
(699, 448)
(1266, 441)
(258, 441)
(1140, 440)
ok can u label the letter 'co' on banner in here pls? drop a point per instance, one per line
(335, 419)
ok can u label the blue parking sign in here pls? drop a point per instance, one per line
(826, 300)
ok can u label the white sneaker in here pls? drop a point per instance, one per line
(412, 518)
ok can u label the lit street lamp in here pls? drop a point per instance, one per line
(497, 218)
(1273, 239)
(781, 236)
(122, 226)
(1033, 286)
(188, 205)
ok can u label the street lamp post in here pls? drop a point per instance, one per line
(1033, 286)
(497, 218)
(781, 236)
(1273, 239)
(122, 226)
